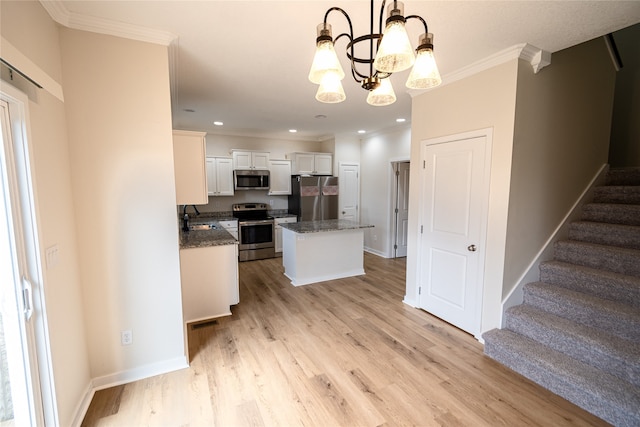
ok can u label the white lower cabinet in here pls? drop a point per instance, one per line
(278, 228)
(231, 226)
(209, 279)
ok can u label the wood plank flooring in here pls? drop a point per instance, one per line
(346, 352)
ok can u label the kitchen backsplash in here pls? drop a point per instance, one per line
(224, 203)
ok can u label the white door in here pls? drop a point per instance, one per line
(21, 388)
(401, 208)
(349, 196)
(453, 217)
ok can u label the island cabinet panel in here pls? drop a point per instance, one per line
(189, 161)
(209, 278)
(318, 257)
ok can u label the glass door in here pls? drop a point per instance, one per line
(20, 391)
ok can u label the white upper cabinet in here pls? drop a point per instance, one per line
(190, 167)
(279, 177)
(220, 176)
(250, 159)
(324, 164)
(311, 163)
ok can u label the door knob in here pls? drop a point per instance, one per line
(471, 248)
(343, 212)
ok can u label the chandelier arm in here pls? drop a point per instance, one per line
(380, 27)
(349, 36)
(371, 40)
(426, 30)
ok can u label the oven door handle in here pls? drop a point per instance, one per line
(255, 222)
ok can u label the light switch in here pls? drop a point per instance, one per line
(52, 256)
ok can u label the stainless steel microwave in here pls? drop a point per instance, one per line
(251, 179)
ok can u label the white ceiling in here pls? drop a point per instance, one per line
(245, 63)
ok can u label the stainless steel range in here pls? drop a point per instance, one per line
(256, 231)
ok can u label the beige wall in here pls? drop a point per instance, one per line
(485, 100)
(376, 180)
(120, 142)
(625, 132)
(563, 120)
(28, 28)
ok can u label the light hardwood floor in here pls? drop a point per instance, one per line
(340, 353)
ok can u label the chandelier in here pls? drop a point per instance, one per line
(389, 52)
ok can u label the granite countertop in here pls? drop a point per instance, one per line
(280, 213)
(209, 217)
(283, 215)
(322, 226)
(205, 238)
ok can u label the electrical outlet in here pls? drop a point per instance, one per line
(271, 203)
(126, 337)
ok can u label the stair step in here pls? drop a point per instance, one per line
(620, 235)
(609, 353)
(613, 213)
(604, 395)
(604, 284)
(617, 194)
(618, 319)
(623, 176)
(610, 258)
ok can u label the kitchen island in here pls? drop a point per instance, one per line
(316, 251)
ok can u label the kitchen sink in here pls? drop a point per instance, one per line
(195, 227)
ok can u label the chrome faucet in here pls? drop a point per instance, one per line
(185, 217)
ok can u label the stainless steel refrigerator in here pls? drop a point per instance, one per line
(314, 198)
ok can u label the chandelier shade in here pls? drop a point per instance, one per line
(382, 95)
(325, 59)
(330, 90)
(394, 52)
(389, 52)
(424, 74)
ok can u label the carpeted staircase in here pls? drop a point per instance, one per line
(577, 332)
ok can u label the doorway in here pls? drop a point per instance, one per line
(400, 208)
(349, 196)
(453, 217)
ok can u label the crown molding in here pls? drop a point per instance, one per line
(76, 21)
(537, 57)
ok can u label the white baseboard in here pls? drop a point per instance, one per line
(125, 377)
(83, 406)
(375, 252)
(140, 373)
(326, 277)
(410, 302)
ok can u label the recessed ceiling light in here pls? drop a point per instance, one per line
(218, 123)
(362, 131)
(189, 110)
(293, 130)
(320, 116)
(401, 120)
